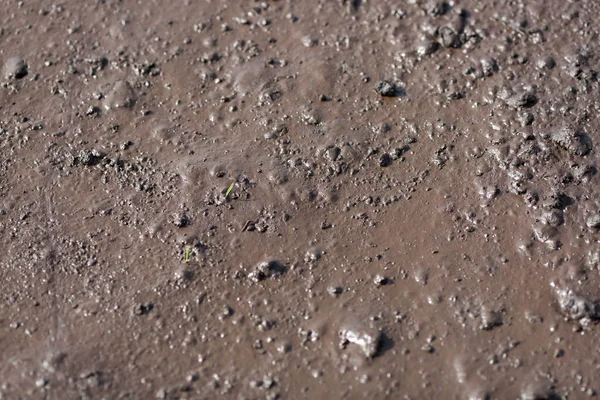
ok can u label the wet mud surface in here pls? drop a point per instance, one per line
(299, 199)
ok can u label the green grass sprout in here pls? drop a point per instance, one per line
(187, 254)
(229, 189)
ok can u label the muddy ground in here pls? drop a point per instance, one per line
(299, 199)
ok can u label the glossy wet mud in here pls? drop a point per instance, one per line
(285, 199)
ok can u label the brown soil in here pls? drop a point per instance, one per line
(414, 210)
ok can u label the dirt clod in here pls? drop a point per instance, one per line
(15, 68)
(385, 88)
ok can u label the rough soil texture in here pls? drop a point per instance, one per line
(414, 210)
